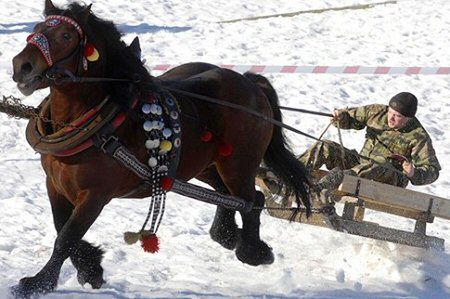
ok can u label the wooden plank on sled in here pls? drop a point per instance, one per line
(409, 201)
(389, 208)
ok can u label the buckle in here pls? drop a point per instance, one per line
(109, 144)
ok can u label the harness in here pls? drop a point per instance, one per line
(159, 112)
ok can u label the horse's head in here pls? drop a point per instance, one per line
(61, 43)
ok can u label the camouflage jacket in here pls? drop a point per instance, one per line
(411, 141)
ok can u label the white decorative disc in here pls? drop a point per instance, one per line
(146, 108)
(152, 162)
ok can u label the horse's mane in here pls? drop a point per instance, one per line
(121, 61)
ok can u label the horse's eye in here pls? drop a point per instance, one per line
(67, 36)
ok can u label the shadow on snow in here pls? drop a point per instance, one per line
(124, 28)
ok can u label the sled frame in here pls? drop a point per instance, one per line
(357, 195)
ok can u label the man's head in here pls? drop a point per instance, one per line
(402, 107)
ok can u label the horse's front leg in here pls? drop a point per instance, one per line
(86, 258)
(66, 244)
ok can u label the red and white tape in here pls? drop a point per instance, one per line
(309, 69)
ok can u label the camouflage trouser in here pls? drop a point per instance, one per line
(332, 155)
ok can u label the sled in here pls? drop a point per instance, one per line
(358, 194)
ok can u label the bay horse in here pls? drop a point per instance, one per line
(74, 42)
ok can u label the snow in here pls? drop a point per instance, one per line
(310, 262)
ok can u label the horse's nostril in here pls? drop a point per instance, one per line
(26, 68)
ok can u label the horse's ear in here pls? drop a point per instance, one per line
(135, 48)
(49, 7)
(85, 13)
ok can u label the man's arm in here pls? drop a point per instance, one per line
(351, 118)
(426, 165)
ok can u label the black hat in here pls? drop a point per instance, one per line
(404, 103)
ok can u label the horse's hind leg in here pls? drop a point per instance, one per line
(86, 258)
(224, 229)
(240, 180)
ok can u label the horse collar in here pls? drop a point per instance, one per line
(74, 137)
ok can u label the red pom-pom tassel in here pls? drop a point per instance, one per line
(225, 149)
(207, 136)
(150, 243)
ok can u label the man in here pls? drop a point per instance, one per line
(397, 149)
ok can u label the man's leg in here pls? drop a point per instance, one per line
(384, 173)
(330, 154)
(336, 159)
(324, 152)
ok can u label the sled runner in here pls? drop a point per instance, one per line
(357, 195)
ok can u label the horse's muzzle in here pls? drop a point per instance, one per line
(27, 76)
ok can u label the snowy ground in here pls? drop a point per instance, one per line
(310, 262)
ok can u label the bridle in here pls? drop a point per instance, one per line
(40, 40)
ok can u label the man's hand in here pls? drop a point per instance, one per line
(408, 169)
(337, 115)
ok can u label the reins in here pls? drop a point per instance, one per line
(71, 78)
(274, 121)
(241, 108)
(305, 111)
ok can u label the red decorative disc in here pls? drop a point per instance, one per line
(166, 183)
(225, 149)
(88, 50)
(207, 136)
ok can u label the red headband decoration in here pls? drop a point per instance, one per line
(55, 20)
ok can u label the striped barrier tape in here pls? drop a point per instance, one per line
(310, 69)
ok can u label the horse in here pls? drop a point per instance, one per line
(220, 145)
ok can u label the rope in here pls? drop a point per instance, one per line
(342, 145)
(324, 131)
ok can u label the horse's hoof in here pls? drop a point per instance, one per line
(255, 253)
(31, 286)
(226, 236)
(94, 279)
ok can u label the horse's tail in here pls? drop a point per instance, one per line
(278, 157)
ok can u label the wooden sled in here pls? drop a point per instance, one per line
(357, 195)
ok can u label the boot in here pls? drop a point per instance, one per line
(270, 180)
(331, 180)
